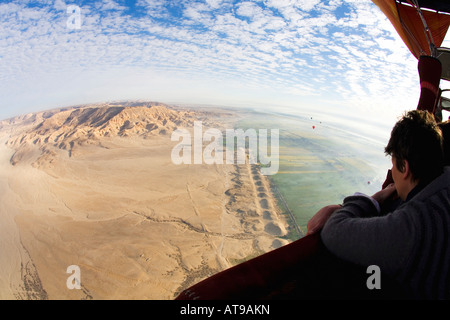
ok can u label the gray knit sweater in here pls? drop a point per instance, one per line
(411, 244)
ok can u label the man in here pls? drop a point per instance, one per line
(411, 243)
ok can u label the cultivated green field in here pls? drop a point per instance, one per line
(319, 163)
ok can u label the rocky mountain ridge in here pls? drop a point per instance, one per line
(67, 128)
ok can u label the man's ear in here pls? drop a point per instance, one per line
(406, 173)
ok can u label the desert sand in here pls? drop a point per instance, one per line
(94, 186)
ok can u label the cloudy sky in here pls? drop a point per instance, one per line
(341, 56)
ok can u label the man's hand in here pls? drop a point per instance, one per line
(385, 194)
(320, 218)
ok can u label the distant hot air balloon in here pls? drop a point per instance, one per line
(313, 127)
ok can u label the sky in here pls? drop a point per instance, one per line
(339, 57)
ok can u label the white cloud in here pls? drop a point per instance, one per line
(214, 4)
(108, 5)
(307, 5)
(287, 48)
(249, 9)
(59, 5)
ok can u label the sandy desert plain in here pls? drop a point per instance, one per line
(94, 186)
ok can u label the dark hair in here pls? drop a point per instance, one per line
(417, 138)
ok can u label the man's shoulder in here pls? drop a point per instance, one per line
(435, 195)
(437, 186)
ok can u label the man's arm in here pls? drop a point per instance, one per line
(355, 233)
(316, 223)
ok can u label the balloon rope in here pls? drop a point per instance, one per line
(427, 31)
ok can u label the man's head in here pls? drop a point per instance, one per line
(416, 149)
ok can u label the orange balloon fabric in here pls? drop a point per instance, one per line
(408, 24)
